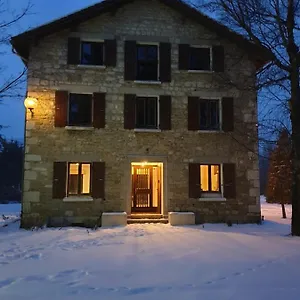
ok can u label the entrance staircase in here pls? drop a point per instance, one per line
(147, 218)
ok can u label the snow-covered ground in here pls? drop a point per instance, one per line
(153, 262)
(9, 213)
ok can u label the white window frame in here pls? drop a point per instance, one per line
(158, 115)
(211, 59)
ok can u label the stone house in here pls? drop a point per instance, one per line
(139, 109)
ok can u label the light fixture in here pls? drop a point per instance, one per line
(143, 164)
(30, 103)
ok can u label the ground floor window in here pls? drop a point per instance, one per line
(79, 179)
(210, 177)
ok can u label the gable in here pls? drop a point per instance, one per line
(22, 42)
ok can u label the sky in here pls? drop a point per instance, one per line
(41, 11)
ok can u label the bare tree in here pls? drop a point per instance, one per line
(275, 25)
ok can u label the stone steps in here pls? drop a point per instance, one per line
(147, 221)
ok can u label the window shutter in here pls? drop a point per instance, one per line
(129, 111)
(193, 113)
(165, 110)
(110, 48)
(130, 60)
(184, 57)
(99, 110)
(227, 114)
(61, 108)
(98, 180)
(194, 181)
(74, 51)
(218, 58)
(229, 180)
(165, 62)
(59, 185)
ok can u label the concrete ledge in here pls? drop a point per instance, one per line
(114, 219)
(181, 218)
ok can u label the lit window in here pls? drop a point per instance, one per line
(200, 59)
(80, 110)
(79, 179)
(92, 53)
(210, 178)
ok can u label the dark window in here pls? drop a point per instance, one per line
(80, 110)
(147, 62)
(209, 114)
(79, 179)
(92, 53)
(210, 178)
(146, 112)
(200, 59)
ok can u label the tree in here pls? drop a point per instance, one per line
(275, 25)
(280, 174)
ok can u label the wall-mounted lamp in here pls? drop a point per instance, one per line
(30, 103)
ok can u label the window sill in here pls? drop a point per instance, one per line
(210, 131)
(146, 130)
(78, 199)
(91, 67)
(79, 128)
(212, 199)
(152, 82)
(200, 71)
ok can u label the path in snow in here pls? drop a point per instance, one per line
(152, 262)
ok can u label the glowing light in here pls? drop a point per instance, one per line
(30, 102)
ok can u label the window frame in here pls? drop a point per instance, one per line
(157, 112)
(210, 192)
(92, 111)
(219, 102)
(99, 41)
(79, 194)
(158, 61)
(211, 58)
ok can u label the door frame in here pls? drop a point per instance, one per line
(127, 180)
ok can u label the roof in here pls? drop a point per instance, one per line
(22, 42)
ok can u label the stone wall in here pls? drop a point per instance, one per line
(143, 21)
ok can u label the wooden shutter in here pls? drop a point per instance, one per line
(74, 51)
(130, 60)
(218, 58)
(165, 62)
(61, 108)
(193, 113)
(59, 185)
(184, 57)
(129, 111)
(99, 110)
(110, 48)
(229, 180)
(194, 181)
(98, 180)
(165, 112)
(227, 114)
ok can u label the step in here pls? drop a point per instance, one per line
(146, 216)
(147, 221)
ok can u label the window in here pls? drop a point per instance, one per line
(92, 53)
(147, 62)
(210, 178)
(146, 112)
(209, 114)
(79, 179)
(80, 110)
(200, 59)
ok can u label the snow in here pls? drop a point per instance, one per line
(9, 213)
(148, 262)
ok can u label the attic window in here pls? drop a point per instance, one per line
(92, 53)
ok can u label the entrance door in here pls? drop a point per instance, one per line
(146, 189)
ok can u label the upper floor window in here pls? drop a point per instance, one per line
(79, 179)
(209, 114)
(146, 112)
(92, 53)
(200, 59)
(147, 62)
(80, 110)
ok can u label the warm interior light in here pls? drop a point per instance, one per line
(30, 102)
(143, 164)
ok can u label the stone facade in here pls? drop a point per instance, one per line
(143, 21)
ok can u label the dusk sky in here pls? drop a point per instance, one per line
(42, 11)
